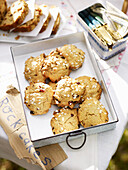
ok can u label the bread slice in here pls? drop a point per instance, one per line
(31, 24)
(15, 15)
(3, 9)
(45, 24)
(56, 24)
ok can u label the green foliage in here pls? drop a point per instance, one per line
(120, 159)
(8, 165)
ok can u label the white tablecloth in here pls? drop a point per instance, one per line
(99, 148)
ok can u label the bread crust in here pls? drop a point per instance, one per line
(15, 15)
(3, 9)
(31, 24)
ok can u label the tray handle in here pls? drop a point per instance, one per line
(72, 135)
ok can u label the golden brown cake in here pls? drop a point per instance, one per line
(32, 71)
(38, 98)
(92, 112)
(93, 88)
(68, 92)
(30, 25)
(15, 15)
(53, 85)
(74, 55)
(64, 120)
(55, 66)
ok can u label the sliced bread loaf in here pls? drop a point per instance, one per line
(15, 15)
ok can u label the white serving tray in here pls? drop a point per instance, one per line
(39, 126)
